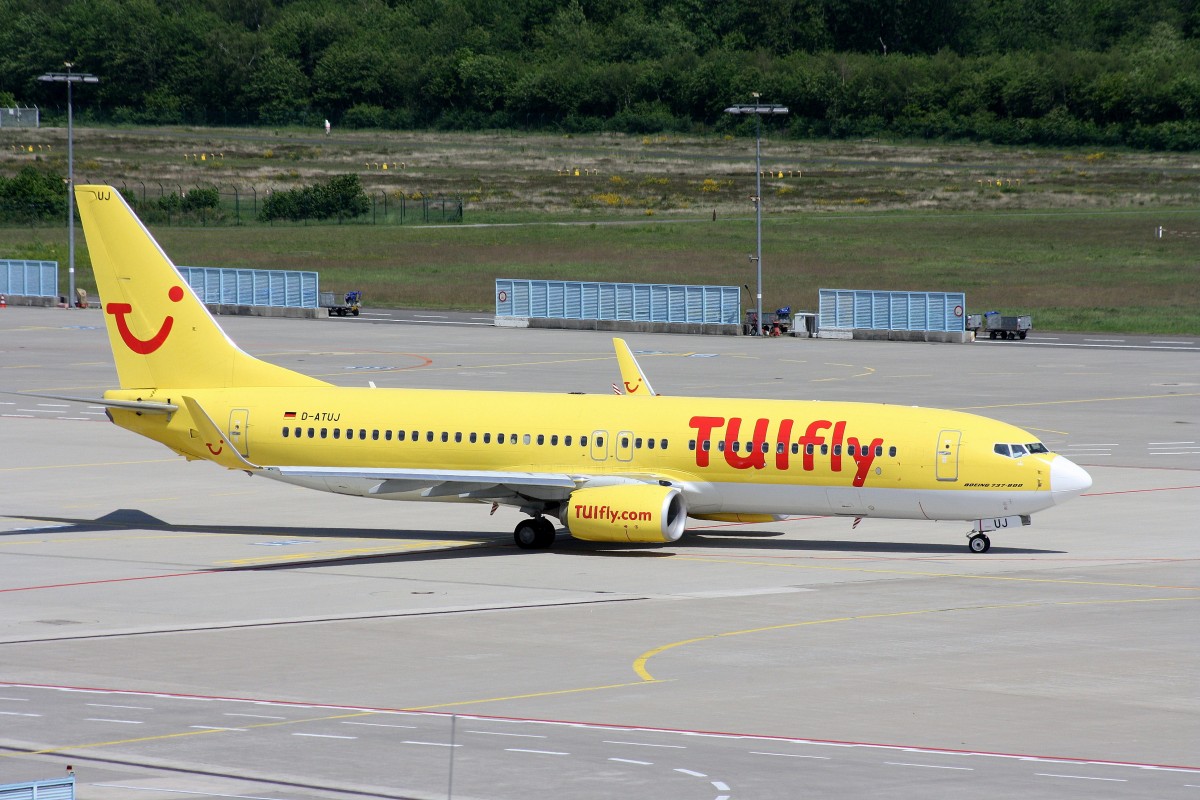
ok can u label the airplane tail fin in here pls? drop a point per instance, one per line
(161, 334)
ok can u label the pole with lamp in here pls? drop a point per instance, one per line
(758, 110)
(70, 78)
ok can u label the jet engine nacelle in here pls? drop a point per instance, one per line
(626, 513)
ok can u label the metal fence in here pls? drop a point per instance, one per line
(159, 204)
(29, 278)
(253, 287)
(20, 117)
(640, 302)
(55, 789)
(894, 311)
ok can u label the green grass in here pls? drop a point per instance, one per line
(1068, 238)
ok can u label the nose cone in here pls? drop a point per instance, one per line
(1067, 479)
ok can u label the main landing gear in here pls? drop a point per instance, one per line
(979, 543)
(536, 533)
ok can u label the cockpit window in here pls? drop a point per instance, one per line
(1037, 447)
(1019, 450)
(1001, 449)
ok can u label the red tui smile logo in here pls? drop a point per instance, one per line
(143, 346)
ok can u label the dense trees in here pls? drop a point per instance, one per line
(1058, 72)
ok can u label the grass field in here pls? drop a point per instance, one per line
(1068, 237)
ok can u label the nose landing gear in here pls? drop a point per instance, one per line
(979, 543)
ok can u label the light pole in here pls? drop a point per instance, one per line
(758, 110)
(70, 78)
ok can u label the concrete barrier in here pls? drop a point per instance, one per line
(873, 335)
(618, 325)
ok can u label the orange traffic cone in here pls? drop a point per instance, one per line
(3, 301)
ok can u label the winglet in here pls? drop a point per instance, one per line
(632, 377)
(220, 449)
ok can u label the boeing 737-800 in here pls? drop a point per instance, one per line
(629, 468)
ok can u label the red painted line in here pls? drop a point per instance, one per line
(108, 580)
(1140, 491)
(615, 727)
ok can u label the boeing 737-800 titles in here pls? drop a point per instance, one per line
(629, 468)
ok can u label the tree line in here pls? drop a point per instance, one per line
(1056, 72)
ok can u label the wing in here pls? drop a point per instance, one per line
(517, 488)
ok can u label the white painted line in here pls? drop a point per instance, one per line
(645, 744)
(434, 744)
(183, 791)
(16, 699)
(518, 735)
(430, 316)
(107, 705)
(215, 728)
(1080, 777)
(16, 714)
(720, 787)
(379, 725)
(323, 736)
(252, 716)
(788, 755)
(18, 416)
(1104, 340)
(691, 772)
(119, 721)
(429, 322)
(53, 405)
(631, 761)
(1167, 444)
(1169, 342)
(926, 766)
(537, 752)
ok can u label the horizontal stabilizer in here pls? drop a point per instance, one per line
(144, 406)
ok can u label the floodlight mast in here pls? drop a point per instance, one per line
(758, 110)
(70, 78)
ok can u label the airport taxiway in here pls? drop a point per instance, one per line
(848, 662)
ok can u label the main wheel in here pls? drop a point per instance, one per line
(980, 543)
(536, 533)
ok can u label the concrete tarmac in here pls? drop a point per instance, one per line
(125, 569)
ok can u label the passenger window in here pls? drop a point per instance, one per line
(429, 436)
(554, 440)
(1001, 450)
(736, 446)
(824, 449)
(837, 449)
(311, 433)
(487, 438)
(399, 436)
(637, 443)
(795, 448)
(850, 450)
(766, 447)
(706, 445)
(324, 432)
(525, 438)
(808, 449)
(512, 438)
(691, 444)
(388, 434)
(650, 444)
(567, 441)
(374, 435)
(583, 441)
(892, 452)
(285, 433)
(445, 436)
(779, 448)
(337, 433)
(541, 439)
(878, 450)
(662, 444)
(721, 446)
(473, 437)
(599, 441)
(362, 433)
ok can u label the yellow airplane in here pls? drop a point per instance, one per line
(612, 469)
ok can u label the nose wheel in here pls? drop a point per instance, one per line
(536, 533)
(979, 543)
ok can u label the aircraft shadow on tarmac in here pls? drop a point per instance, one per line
(495, 544)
